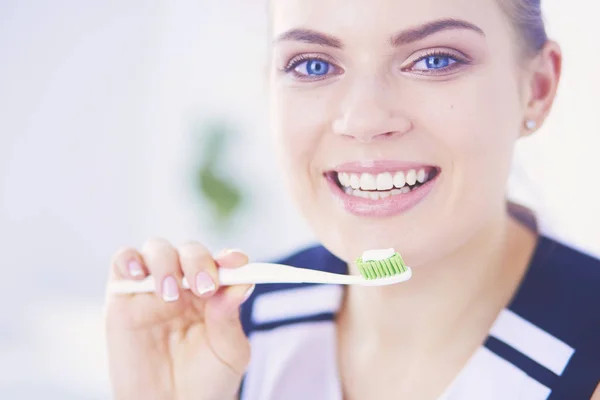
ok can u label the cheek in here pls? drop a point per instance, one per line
(473, 124)
(299, 123)
(474, 121)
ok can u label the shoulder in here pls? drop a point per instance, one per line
(555, 317)
(562, 270)
(274, 304)
(561, 287)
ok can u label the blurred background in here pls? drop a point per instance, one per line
(122, 120)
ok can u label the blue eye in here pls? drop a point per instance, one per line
(313, 67)
(434, 62)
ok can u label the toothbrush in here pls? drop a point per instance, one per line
(377, 268)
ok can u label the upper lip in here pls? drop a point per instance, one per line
(379, 166)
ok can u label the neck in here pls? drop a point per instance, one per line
(469, 286)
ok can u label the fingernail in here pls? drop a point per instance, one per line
(204, 283)
(170, 290)
(226, 252)
(248, 293)
(135, 268)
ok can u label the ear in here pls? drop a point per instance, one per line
(542, 84)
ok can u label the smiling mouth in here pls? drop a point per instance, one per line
(384, 184)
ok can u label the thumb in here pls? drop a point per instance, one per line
(224, 329)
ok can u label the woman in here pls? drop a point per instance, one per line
(396, 122)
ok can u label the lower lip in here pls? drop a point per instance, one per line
(388, 207)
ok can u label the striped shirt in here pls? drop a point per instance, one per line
(544, 345)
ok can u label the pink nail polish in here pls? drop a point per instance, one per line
(204, 283)
(231, 251)
(135, 268)
(226, 252)
(170, 289)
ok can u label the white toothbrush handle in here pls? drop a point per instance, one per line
(277, 273)
(248, 274)
(266, 273)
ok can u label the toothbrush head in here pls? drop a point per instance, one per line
(377, 264)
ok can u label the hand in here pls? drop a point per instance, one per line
(176, 344)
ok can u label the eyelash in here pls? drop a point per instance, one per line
(294, 62)
(459, 60)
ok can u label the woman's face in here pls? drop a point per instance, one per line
(395, 119)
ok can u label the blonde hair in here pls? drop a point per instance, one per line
(526, 16)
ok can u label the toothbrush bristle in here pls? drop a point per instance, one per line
(381, 268)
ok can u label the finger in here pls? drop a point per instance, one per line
(199, 269)
(127, 263)
(224, 328)
(231, 258)
(162, 262)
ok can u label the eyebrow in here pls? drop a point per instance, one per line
(311, 37)
(401, 38)
(428, 29)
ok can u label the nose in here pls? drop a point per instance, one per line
(370, 110)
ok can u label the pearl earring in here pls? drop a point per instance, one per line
(530, 124)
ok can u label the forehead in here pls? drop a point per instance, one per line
(371, 19)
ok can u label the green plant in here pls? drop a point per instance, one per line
(213, 179)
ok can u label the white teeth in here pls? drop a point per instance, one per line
(421, 176)
(411, 177)
(381, 186)
(399, 179)
(385, 181)
(344, 179)
(354, 181)
(367, 182)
